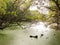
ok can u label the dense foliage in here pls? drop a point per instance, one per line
(54, 16)
(14, 11)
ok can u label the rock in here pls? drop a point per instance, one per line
(42, 35)
(33, 36)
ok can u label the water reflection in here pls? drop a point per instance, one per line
(46, 36)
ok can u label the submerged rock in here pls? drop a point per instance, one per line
(47, 37)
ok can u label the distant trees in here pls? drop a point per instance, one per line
(55, 8)
(54, 11)
(57, 15)
(12, 11)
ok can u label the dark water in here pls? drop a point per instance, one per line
(18, 36)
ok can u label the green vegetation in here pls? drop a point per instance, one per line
(14, 11)
(36, 16)
(54, 15)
